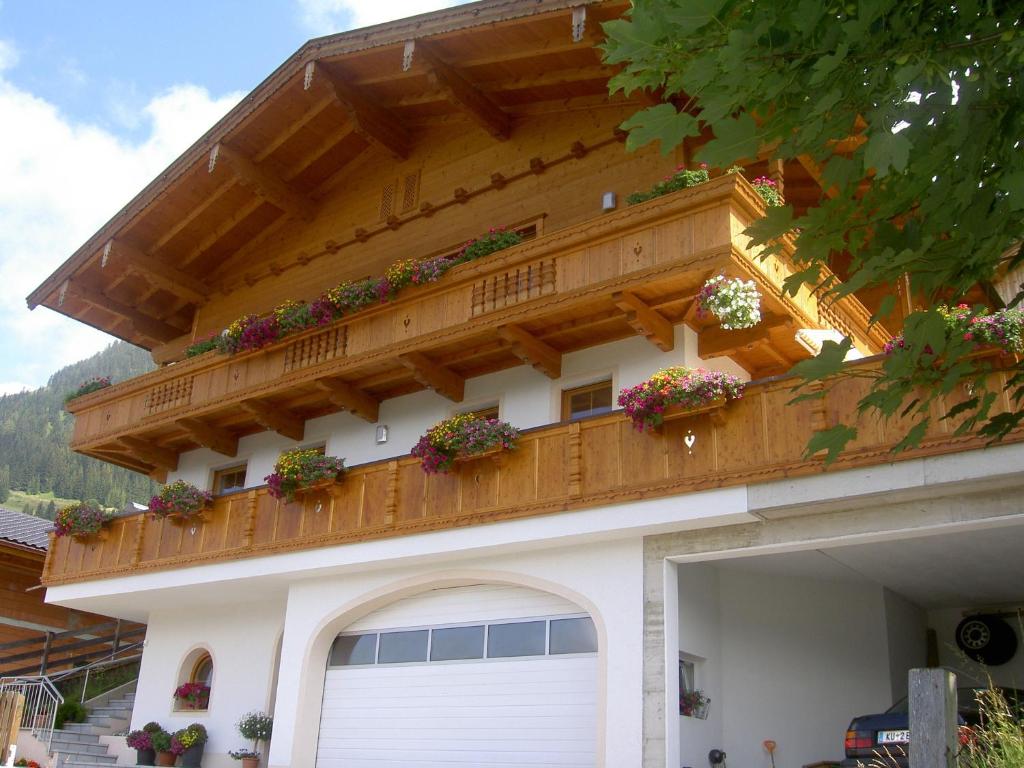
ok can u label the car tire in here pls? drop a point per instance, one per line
(986, 639)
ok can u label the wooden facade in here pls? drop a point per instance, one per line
(567, 466)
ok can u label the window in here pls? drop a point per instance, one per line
(202, 671)
(525, 638)
(485, 412)
(396, 647)
(229, 480)
(573, 636)
(457, 643)
(588, 400)
(349, 650)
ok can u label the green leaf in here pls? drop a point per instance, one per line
(828, 362)
(833, 440)
(735, 137)
(913, 438)
(827, 64)
(695, 15)
(1013, 185)
(886, 150)
(661, 122)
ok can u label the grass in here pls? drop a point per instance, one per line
(19, 500)
(999, 741)
(100, 681)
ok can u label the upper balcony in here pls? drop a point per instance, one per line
(633, 271)
(578, 465)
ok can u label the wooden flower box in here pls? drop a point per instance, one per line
(91, 538)
(498, 454)
(202, 516)
(676, 412)
(319, 486)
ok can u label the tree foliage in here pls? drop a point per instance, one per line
(912, 114)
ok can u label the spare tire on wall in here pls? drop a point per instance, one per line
(987, 639)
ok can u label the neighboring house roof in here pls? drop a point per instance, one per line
(24, 529)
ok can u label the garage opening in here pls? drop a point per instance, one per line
(481, 675)
(788, 648)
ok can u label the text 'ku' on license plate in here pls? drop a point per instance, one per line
(893, 737)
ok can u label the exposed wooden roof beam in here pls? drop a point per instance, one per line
(532, 350)
(123, 459)
(463, 93)
(150, 453)
(717, 341)
(282, 138)
(276, 419)
(646, 321)
(117, 253)
(209, 436)
(148, 326)
(436, 377)
(371, 121)
(262, 182)
(321, 149)
(216, 233)
(351, 398)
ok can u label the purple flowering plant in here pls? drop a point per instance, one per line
(1003, 329)
(140, 740)
(180, 499)
(299, 469)
(461, 435)
(646, 403)
(82, 519)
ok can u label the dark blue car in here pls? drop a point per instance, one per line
(883, 740)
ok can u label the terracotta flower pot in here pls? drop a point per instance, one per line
(250, 762)
(165, 758)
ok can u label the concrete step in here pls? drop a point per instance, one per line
(75, 737)
(81, 761)
(110, 723)
(86, 728)
(112, 711)
(78, 749)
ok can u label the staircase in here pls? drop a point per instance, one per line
(78, 744)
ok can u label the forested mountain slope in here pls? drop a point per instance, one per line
(35, 430)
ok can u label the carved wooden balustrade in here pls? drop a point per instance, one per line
(567, 466)
(631, 271)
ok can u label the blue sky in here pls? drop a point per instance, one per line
(96, 98)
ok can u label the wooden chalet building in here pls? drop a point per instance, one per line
(549, 609)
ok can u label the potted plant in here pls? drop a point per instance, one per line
(735, 302)
(677, 391)
(1002, 330)
(189, 743)
(180, 501)
(92, 385)
(257, 726)
(694, 704)
(162, 745)
(192, 696)
(462, 438)
(142, 742)
(301, 471)
(83, 521)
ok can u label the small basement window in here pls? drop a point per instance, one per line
(229, 479)
(588, 400)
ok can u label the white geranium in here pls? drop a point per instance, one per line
(735, 302)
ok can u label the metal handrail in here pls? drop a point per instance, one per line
(41, 702)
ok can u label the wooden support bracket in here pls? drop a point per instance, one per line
(717, 341)
(151, 453)
(351, 398)
(463, 94)
(262, 182)
(147, 325)
(645, 320)
(209, 436)
(374, 123)
(436, 377)
(276, 419)
(119, 255)
(532, 350)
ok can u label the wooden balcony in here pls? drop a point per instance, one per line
(561, 467)
(633, 271)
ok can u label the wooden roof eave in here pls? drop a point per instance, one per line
(486, 12)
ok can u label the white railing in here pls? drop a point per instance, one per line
(41, 701)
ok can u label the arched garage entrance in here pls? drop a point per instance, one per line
(480, 675)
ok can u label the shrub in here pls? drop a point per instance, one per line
(70, 712)
(678, 179)
(161, 740)
(92, 385)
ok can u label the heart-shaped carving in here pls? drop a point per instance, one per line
(690, 441)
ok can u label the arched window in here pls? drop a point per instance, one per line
(202, 670)
(195, 680)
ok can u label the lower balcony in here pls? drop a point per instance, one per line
(556, 468)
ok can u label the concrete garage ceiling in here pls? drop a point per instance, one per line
(969, 568)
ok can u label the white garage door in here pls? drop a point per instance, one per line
(473, 688)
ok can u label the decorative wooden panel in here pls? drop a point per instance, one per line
(588, 463)
(507, 288)
(319, 348)
(171, 394)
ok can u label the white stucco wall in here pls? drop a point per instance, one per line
(944, 622)
(526, 399)
(242, 639)
(907, 636)
(604, 578)
(799, 658)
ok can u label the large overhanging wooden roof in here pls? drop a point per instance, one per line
(142, 276)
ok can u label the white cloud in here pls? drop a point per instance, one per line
(60, 181)
(8, 55)
(325, 17)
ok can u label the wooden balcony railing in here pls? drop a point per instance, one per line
(566, 466)
(634, 271)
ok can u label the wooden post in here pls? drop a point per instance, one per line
(933, 723)
(117, 639)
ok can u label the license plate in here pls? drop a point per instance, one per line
(893, 737)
